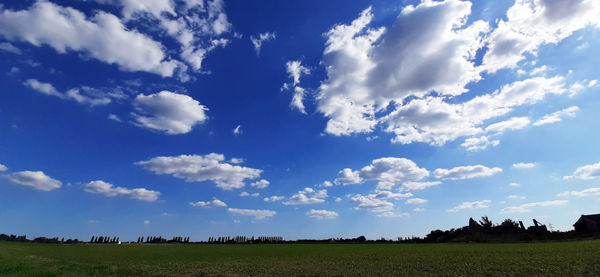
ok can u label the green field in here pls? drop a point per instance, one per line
(581, 258)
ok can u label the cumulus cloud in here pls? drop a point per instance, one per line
(530, 24)
(393, 214)
(198, 168)
(465, 172)
(8, 47)
(407, 186)
(35, 179)
(416, 201)
(515, 197)
(209, 204)
(480, 143)
(3, 168)
(257, 214)
(321, 214)
(524, 165)
(246, 194)
(581, 193)
(307, 196)
(274, 198)
(371, 203)
(527, 207)
(514, 123)
(388, 171)
(475, 205)
(169, 112)
(557, 116)
(107, 189)
(586, 172)
(82, 95)
(295, 70)
(114, 117)
(260, 184)
(366, 70)
(262, 38)
(103, 37)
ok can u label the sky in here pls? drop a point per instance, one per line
(301, 119)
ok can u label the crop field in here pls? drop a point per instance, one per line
(581, 258)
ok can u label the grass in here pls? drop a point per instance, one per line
(581, 258)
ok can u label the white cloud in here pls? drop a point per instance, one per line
(514, 123)
(371, 203)
(366, 70)
(327, 184)
(260, 184)
(338, 199)
(236, 160)
(257, 214)
(237, 130)
(416, 201)
(169, 112)
(524, 165)
(527, 207)
(366, 73)
(307, 196)
(390, 195)
(106, 189)
(418, 210)
(209, 204)
(586, 172)
(539, 70)
(480, 143)
(114, 117)
(431, 120)
(592, 83)
(245, 194)
(393, 214)
(321, 214)
(582, 193)
(514, 185)
(82, 95)
(531, 24)
(274, 198)
(475, 205)
(8, 47)
(388, 171)
(35, 179)
(515, 197)
(198, 168)
(295, 70)
(465, 172)
(146, 222)
(103, 37)
(418, 185)
(3, 168)
(557, 116)
(258, 41)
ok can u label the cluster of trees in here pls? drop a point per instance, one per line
(162, 240)
(244, 239)
(38, 239)
(102, 239)
(485, 230)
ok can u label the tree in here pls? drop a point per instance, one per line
(486, 222)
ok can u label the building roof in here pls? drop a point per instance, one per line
(588, 218)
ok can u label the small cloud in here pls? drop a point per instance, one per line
(418, 210)
(339, 199)
(146, 222)
(246, 194)
(257, 42)
(514, 185)
(114, 117)
(321, 214)
(209, 204)
(261, 184)
(475, 205)
(274, 198)
(237, 130)
(524, 165)
(3, 168)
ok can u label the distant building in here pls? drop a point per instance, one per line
(588, 224)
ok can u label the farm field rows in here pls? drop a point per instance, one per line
(525, 259)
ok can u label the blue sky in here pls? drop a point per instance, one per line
(307, 119)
